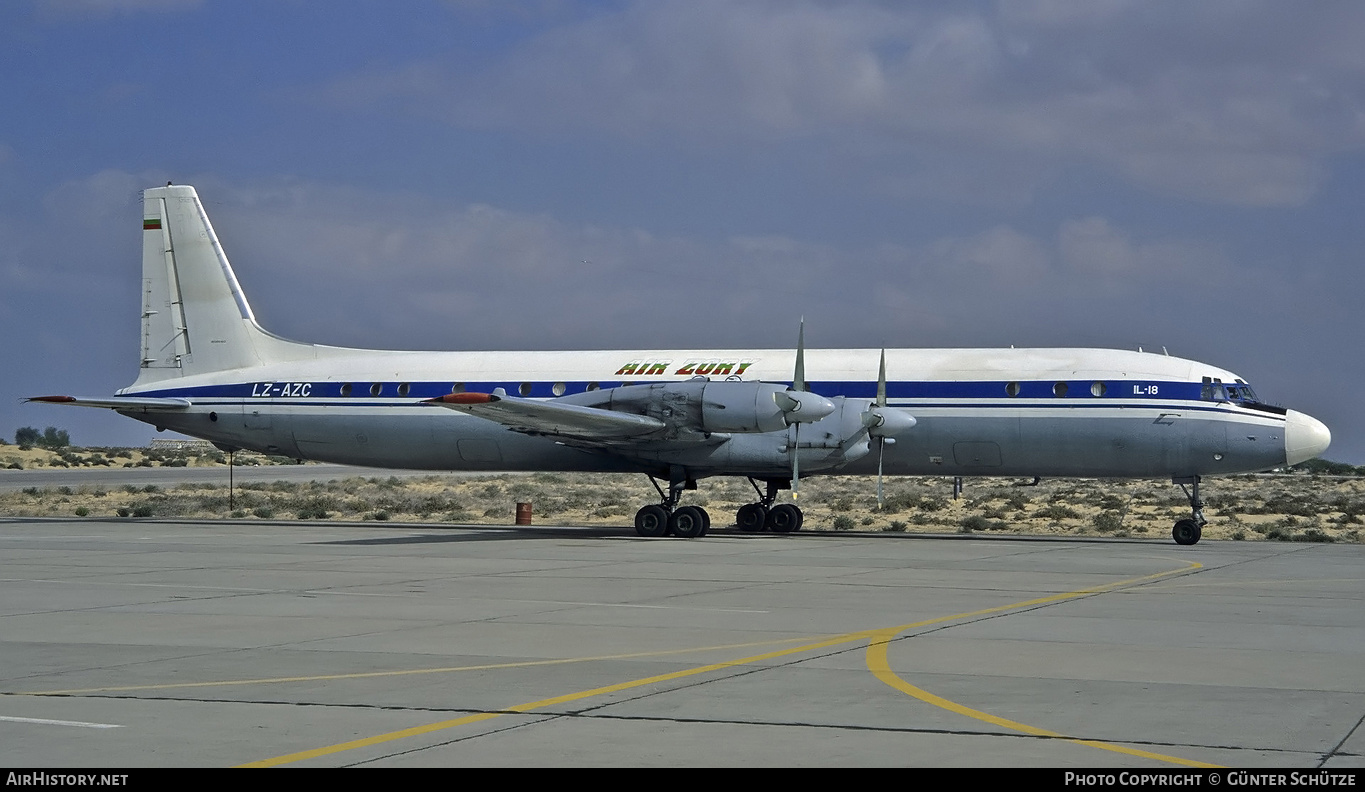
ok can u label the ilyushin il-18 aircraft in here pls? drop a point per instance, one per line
(210, 371)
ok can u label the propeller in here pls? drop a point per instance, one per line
(882, 421)
(881, 439)
(798, 386)
(800, 406)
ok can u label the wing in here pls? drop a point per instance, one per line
(120, 403)
(529, 416)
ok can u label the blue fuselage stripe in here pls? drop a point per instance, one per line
(1032, 395)
(931, 389)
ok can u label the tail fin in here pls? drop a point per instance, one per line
(195, 318)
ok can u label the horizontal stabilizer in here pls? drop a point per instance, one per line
(531, 416)
(120, 403)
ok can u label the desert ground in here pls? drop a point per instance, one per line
(1277, 507)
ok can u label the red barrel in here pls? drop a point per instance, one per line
(523, 514)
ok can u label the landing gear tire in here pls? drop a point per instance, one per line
(651, 521)
(784, 518)
(689, 522)
(751, 517)
(1186, 532)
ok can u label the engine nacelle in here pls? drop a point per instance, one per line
(742, 407)
(724, 407)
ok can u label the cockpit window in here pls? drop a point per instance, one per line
(1240, 393)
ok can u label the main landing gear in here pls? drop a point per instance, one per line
(1188, 531)
(782, 518)
(667, 518)
(688, 522)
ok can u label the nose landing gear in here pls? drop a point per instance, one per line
(1189, 530)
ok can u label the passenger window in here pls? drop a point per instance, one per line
(1059, 389)
(1012, 389)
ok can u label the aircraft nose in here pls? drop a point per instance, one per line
(1305, 437)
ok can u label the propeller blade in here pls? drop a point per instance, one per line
(881, 382)
(799, 377)
(796, 461)
(881, 446)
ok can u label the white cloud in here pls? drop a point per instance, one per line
(1093, 245)
(99, 200)
(1228, 102)
(334, 264)
(1001, 254)
(337, 265)
(1116, 267)
(99, 9)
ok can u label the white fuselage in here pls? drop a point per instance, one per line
(1119, 413)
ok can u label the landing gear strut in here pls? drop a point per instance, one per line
(782, 518)
(1188, 531)
(687, 522)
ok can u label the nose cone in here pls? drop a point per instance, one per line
(1305, 437)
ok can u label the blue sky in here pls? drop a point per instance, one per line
(541, 174)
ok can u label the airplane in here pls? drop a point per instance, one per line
(210, 371)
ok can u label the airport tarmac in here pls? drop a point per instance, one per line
(127, 643)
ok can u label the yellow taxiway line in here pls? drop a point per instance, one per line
(549, 702)
(877, 663)
(880, 666)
